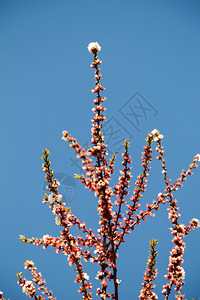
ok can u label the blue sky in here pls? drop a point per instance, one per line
(151, 57)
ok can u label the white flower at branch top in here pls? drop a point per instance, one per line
(93, 47)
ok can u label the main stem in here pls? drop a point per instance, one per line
(108, 223)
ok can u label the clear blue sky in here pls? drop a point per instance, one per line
(151, 56)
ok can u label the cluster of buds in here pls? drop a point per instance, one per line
(114, 224)
(150, 275)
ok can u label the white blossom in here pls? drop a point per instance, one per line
(195, 222)
(55, 183)
(118, 281)
(52, 198)
(198, 157)
(28, 288)
(30, 263)
(93, 47)
(158, 137)
(56, 208)
(59, 197)
(58, 220)
(154, 131)
(99, 274)
(86, 276)
(45, 237)
(182, 271)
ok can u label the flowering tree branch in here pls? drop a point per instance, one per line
(115, 224)
(27, 286)
(176, 273)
